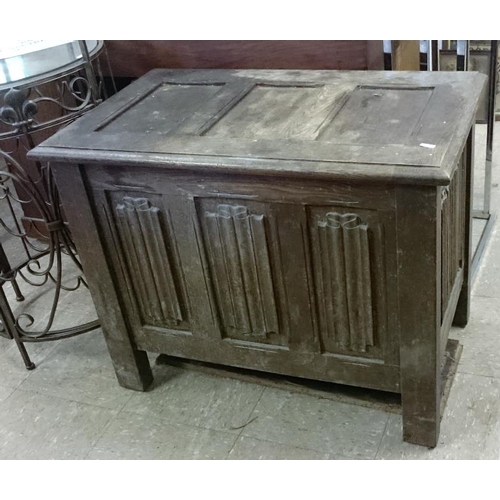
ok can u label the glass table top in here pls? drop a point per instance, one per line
(23, 62)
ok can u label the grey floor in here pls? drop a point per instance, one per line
(71, 406)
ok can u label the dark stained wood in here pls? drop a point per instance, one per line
(435, 140)
(239, 252)
(345, 277)
(463, 307)
(419, 293)
(385, 401)
(343, 370)
(131, 365)
(295, 222)
(134, 58)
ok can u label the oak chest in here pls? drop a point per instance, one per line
(310, 223)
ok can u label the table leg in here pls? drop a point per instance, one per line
(131, 365)
(419, 254)
(9, 325)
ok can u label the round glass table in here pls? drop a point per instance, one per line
(29, 62)
(44, 85)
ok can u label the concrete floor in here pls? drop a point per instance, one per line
(71, 406)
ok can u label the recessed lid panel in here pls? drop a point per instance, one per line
(279, 112)
(365, 115)
(164, 108)
(379, 115)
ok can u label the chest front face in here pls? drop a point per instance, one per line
(297, 276)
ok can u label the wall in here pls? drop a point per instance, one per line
(133, 58)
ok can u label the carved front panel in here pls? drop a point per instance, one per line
(452, 233)
(348, 262)
(242, 266)
(148, 261)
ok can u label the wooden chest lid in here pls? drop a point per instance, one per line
(404, 127)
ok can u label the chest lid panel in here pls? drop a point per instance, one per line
(332, 118)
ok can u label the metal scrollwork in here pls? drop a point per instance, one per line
(45, 253)
(32, 226)
(20, 107)
(18, 111)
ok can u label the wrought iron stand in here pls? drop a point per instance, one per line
(32, 213)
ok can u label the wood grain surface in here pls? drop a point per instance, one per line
(134, 58)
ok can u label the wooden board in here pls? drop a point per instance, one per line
(384, 401)
(406, 55)
(341, 125)
(134, 58)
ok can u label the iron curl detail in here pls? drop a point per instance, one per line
(21, 106)
(46, 242)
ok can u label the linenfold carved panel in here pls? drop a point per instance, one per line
(452, 233)
(238, 250)
(346, 267)
(148, 264)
